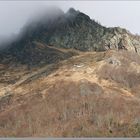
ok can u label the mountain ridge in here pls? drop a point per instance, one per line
(72, 29)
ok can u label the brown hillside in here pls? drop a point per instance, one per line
(91, 94)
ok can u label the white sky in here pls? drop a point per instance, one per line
(14, 14)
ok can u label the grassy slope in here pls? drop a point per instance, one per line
(92, 94)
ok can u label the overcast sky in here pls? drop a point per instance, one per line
(14, 14)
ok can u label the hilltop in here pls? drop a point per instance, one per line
(70, 30)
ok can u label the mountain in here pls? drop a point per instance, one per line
(71, 30)
(68, 76)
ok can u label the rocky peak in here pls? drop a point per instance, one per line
(72, 11)
(72, 29)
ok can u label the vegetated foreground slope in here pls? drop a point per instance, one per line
(68, 76)
(92, 94)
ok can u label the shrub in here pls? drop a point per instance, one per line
(119, 75)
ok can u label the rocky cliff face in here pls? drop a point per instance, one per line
(68, 30)
(122, 39)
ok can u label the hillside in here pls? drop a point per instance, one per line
(92, 94)
(68, 76)
(71, 30)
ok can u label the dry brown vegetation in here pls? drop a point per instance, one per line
(90, 95)
(120, 75)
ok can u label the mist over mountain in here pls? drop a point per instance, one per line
(70, 30)
(7, 40)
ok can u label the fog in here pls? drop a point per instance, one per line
(14, 15)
